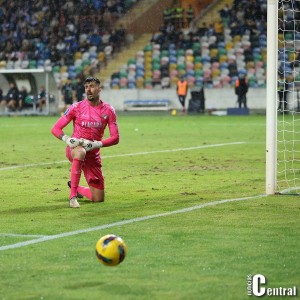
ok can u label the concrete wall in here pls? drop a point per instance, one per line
(215, 98)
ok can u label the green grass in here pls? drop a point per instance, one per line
(162, 164)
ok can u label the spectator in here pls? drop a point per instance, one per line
(241, 89)
(167, 15)
(94, 39)
(211, 30)
(189, 15)
(179, 17)
(61, 46)
(225, 15)
(202, 30)
(105, 38)
(121, 33)
(283, 90)
(219, 29)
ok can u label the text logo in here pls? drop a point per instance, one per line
(257, 286)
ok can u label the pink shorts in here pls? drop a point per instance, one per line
(92, 169)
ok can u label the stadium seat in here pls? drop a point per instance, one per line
(32, 64)
(17, 64)
(2, 64)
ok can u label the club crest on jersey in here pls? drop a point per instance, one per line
(104, 116)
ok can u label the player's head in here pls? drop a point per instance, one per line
(92, 79)
(92, 88)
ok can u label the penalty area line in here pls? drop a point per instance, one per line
(126, 154)
(125, 222)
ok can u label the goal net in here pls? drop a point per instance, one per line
(286, 109)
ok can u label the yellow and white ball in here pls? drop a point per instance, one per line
(111, 250)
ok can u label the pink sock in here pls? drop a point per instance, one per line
(75, 176)
(85, 191)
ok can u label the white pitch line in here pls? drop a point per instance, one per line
(120, 223)
(127, 154)
(21, 235)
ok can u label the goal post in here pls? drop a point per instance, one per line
(283, 103)
(271, 102)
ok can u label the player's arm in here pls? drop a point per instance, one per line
(113, 138)
(57, 131)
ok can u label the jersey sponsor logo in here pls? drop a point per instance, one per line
(91, 124)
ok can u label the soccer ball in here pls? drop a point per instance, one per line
(111, 250)
(174, 112)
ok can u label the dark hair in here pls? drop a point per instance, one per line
(91, 79)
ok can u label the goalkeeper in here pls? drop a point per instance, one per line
(90, 118)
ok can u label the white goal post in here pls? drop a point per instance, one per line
(271, 113)
(283, 102)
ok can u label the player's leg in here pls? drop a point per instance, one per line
(76, 156)
(92, 193)
(97, 194)
(93, 174)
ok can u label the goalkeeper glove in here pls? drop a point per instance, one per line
(70, 141)
(90, 145)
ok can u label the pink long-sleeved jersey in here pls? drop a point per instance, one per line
(89, 122)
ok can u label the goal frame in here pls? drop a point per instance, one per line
(271, 96)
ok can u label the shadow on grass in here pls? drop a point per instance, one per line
(42, 208)
(85, 284)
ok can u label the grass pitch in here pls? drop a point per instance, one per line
(165, 183)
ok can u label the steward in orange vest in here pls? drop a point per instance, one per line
(182, 89)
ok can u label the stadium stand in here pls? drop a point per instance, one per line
(78, 37)
(212, 56)
(66, 35)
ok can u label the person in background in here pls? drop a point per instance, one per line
(22, 96)
(241, 90)
(182, 90)
(167, 15)
(283, 90)
(189, 15)
(12, 97)
(1, 98)
(41, 98)
(67, 93)
(79, 90)
(178, 17)
(89, 117)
